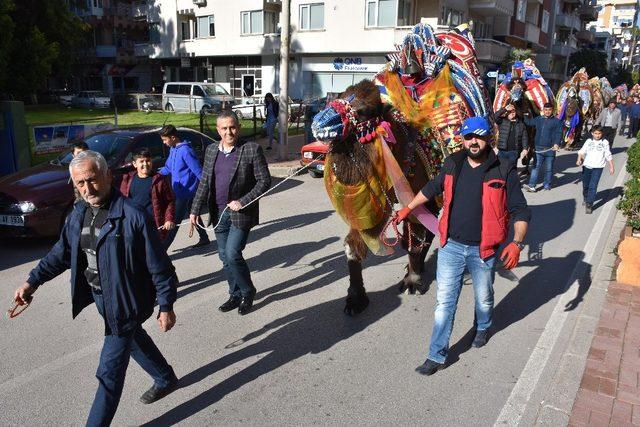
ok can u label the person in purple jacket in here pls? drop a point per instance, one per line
(185, 170)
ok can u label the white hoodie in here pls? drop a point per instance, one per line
(596, 153)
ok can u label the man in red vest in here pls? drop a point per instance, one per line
(481, 193)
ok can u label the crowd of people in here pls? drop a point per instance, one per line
(115, 241)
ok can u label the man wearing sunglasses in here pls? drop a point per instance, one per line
(481, 193)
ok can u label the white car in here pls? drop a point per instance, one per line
(244, 110)
(91, 99)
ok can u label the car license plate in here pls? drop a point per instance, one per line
(16, 220)
(320, 167)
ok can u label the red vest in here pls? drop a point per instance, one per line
(495, 215)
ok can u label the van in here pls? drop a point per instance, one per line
(192, 97)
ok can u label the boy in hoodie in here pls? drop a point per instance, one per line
(150, 191)
(185, 170)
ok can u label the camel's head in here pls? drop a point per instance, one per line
(351, 118)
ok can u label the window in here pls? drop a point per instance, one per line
(252, 22)
(185, 89)
(312, 16)
(153, 143)
(270, 22)
(154, 33)
(173, 89)
(451, 17)
(482, 30)
(197, 91)
(388, 13)
(545, 21)
(521, 12)
(194, 140)
(206, 26)
(184, 30)
(220, 73)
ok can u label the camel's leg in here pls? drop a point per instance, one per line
(356, 251)
(412, 281)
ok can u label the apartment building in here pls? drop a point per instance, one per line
(618, 17)
(334, 43)
(114, 62)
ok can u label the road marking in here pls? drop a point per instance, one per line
(516, 404)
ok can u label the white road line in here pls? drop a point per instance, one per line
(516, 404)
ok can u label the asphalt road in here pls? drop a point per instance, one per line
(297, 359)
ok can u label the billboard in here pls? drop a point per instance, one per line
(56, 137)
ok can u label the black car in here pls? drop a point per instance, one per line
(35, 201)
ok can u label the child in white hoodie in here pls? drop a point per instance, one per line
(593, 156)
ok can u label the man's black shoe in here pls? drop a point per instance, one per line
(481, 339)
(201, 243)
(429, 367)
(232, 302)
(245, 305)
(154, 393)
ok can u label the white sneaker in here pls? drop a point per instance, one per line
(529, 189)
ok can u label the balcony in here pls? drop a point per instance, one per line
(139, 10)
(489, 8)
(142, 49)
(563, 49)
(490, 50)
(543, 62)
(588, 13)
(568, 21)
(532, 33)
(106, 51)
(586, 36)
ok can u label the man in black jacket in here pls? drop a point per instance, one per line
(117, 261)
(234, 174)
(512, 137)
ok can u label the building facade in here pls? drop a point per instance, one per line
(334, 43)
(619, 18)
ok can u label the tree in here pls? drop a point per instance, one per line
(44, 40)
(621, 75)
(593, 60)
(515, 55)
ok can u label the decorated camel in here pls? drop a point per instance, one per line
(525, 88)
(575, 103)
(387, 139)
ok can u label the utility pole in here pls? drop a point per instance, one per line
(284, 80)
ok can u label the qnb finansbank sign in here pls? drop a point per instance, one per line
(350, 64)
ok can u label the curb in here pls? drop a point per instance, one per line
(283, 171)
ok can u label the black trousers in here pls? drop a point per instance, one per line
(634, 124)
(609, 134)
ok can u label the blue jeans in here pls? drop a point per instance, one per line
(231, 242)
(112, 369)
(548, 158)
(590, 179)
(453, 259)
(509, 155)
(183, 207)
(270, 125)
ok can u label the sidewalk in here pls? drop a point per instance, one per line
(283, 168)
(609, 393)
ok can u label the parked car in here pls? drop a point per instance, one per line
(35, 202)
(309, 153)
(61, 96)
(190, 97)
(91, 99)
(244, 109)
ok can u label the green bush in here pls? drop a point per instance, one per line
(633, 160)
(630, 203)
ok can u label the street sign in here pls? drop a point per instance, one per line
(492, 74)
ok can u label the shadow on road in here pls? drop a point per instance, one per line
(604, 196)
(548, 279)
(309, 331)
(14, 252)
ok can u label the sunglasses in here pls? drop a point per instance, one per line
(470, 136)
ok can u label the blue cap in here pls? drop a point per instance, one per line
(476, 125)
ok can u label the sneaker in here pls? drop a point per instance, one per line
(588, 208)
(547, 188)
(201, 243)
(481, 338)
(529, 189)
(429, 367)
(155, 393)
(245, 305)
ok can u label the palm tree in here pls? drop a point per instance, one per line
(515, 54)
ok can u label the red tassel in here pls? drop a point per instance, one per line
(368, 137)
(361, 140)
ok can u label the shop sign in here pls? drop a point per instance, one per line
(349, 64)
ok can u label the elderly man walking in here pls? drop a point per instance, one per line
(235, 173)
(609, 119)
(117, 261)
(481, 193)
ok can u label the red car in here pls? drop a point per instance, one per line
(311, 152)
(35, 202)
